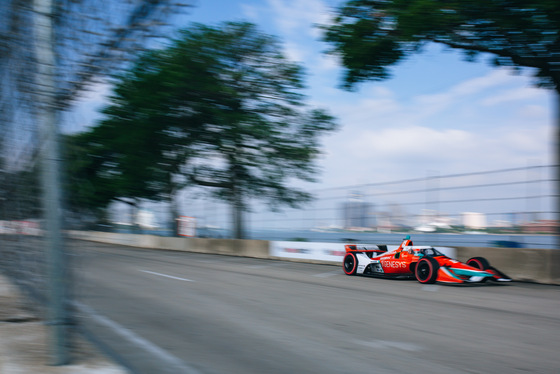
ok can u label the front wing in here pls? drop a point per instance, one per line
(460, 275)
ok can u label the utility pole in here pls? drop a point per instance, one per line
(57, 309)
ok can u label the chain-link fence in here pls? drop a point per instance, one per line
(94, 37)
(516, 201)
(50, 52)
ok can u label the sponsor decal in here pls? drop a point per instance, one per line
(20, 228)
(394, 264)
(331, 252)
(296, 250)
(186, 226)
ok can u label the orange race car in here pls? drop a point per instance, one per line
(424, 263)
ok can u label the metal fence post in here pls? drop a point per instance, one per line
(50, 181)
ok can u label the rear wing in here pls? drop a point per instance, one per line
(380, 248)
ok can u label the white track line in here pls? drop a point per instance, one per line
(166, 276)
(328, 274)
(266, 266)
(391, 345)
(170, 361)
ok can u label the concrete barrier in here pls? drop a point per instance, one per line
(521, 264)
(133, 240)
(232, 247)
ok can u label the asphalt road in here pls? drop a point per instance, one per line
(169, 312)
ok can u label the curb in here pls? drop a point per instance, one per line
(24, 342)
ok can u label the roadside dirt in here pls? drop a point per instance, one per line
(24, 342)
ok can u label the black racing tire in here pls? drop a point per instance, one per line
(350, 264)
(426, 270)
(479, 263)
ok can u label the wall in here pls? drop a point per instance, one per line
(521, 264)
(234, 247)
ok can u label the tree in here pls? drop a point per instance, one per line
(89, 191)
(372, 35)
(227, 106)
(136, 152)
(20, 195)
(88, 44)
(262, 134)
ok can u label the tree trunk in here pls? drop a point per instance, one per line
(237, 214)
(174, 213)
(134, 208)
(238, 229)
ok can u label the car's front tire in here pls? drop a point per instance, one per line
(479, 263)
(426, 270)
(350, 264)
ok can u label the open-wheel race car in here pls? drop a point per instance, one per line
(424, 263)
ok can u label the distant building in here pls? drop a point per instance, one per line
(357, 213)
(541, 227)
(146, 219)
(502, 224)
(473, 220)
(431, 221)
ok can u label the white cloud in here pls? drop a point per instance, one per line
(528, 141)
(294, 16)
(430, 104)
(328, 63)
(534, 111)
(294, 52)
(249, 11)
(385, 137)
(413, 145)
(410, 152)
(96, 92)
(371, 109)
(85, 111)
(495, 78)
(518, 94)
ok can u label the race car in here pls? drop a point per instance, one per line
(424, 263)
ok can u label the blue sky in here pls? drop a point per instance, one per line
(437, 113)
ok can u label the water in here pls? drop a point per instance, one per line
(464, 240)
(436, 239)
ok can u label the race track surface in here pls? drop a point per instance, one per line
(169, 312)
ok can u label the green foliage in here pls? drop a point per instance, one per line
(262, 132)
(20, 195)
(90, 184)
(372, 35)
(220, 107)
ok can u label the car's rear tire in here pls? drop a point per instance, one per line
(426, 270)
(350, 264)
(479, 263)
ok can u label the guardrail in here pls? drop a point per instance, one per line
(522, 264)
